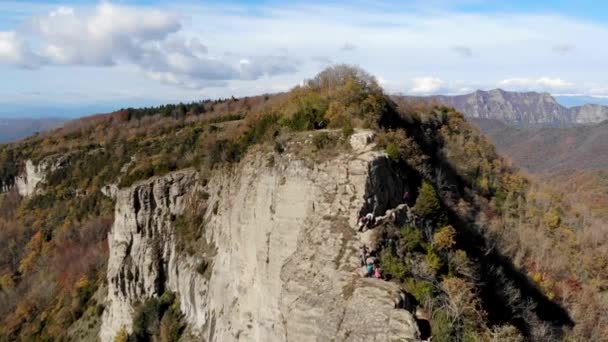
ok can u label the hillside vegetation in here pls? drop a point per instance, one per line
(490, 256)
(568, 159)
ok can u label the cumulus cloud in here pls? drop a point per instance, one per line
(149, 38)
(462, 51)
(13, 50)
(541, 84)
(348, 47)
(427, 85)
(255, 67)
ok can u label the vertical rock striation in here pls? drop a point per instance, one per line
(285, 265)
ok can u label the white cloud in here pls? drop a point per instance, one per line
(184, 44)
(152, 39)
(543, 84)
(13, 50)
(427, 85)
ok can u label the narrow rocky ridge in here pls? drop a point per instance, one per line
(285, 265)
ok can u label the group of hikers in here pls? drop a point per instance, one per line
(371, 263)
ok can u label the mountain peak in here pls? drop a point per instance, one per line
(522, 108)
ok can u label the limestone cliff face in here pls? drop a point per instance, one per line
(33, 174)
(590, 113)
(285, 264)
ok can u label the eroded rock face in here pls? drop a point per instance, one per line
(35, 174)
(285, 265)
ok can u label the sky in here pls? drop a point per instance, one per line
(102, 55)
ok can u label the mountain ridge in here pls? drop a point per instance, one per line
(522, 109)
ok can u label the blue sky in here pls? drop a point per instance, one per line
(103, 55)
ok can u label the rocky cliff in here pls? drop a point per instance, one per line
(521, 108)
(32, 174)
(282, 249)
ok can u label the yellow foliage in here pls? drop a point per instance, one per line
(122, 335)
(444, 238)
(82, 282)
(552, 219)
(27, 263)
(6, 282)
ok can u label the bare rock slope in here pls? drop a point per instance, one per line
(284, 243)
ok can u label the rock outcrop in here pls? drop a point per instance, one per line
(590, 113)
(284, 236)
(33, 174)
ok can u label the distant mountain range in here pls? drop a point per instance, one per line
(522, 109)
(544, 150)
(12, 129)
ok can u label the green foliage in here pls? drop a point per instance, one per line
(411, 238)
(442, 327)
(172, 325)
(427, 203)
(421, 290)
(309, 113)
(189, 226)
(433, 260)
(259, 130)
(347, 130)
(392, 265)
(158, 317)
(393, 151)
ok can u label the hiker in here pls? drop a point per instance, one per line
(364, 254)
(369, 270)
(366, 221)
(377, 271)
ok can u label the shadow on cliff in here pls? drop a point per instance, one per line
(497, 272)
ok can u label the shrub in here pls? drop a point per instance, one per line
(310, 111)
(158, 317)
(411, 238)
(172, 324)
(422, 290)
(122, 335)
(552, 219)
(442, 327)
(433, 260)
(392, 265)
(347, 130)
(427, 203)
(444, 238)
(393, 151)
